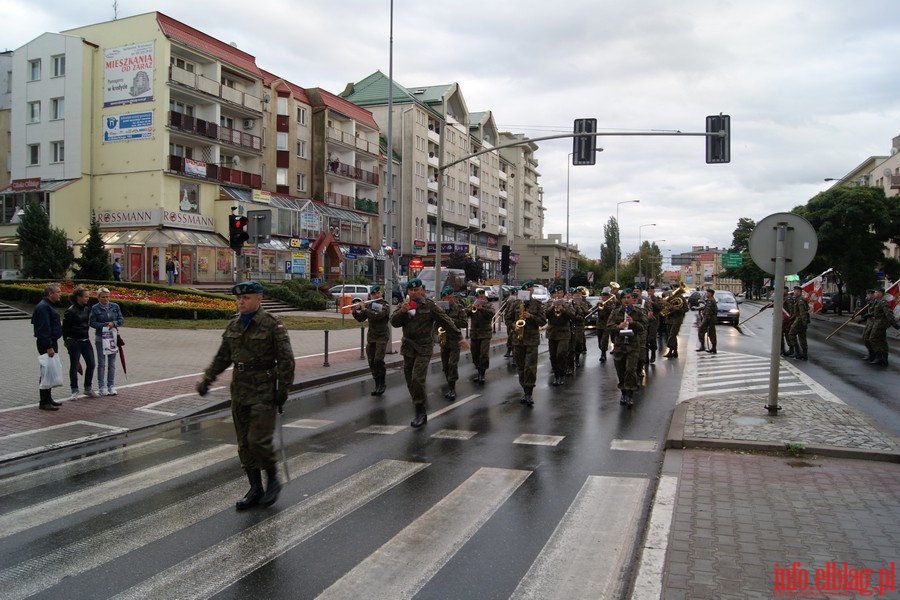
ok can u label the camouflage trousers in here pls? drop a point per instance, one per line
(375, 355)
(626, 362)
(481, 353)
(673, 326)
(710, 330)
(254, 425)
(450, 361)
(559, 354)
(526, 364)
(415, 369)
(797, 335)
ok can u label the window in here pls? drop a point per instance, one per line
(179, 150)
(281, 141)
(181, 107)
(301, 182)
(281, 177)
(59, 151)
(301, 148)
(57, 108)
(420, 195)
(281, 106)
(34, 70)
(182, 64)
(226, 122)
(229, 82)
(34, 154)
(301, 115)
(59, 65)
(34, 112)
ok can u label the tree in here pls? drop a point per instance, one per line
(750, 275)
(94, 260)
(852, 224)
(609, 251)
(45, 251)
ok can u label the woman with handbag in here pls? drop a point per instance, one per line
(47, 331)
(77, 336)
(106, 318)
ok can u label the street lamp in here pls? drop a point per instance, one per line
(640, 250)
(619, 235)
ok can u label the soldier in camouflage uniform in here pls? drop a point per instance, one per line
(527, 339)
(867, 326)
(799, 323)
(607, 304)
(509, 319)
(419, 316)
(258, 346)
(652, 307)
(377, 314)
(882, 317)
(481, 316)
(626, 350)
(673, 324)
(708, 323)
(577, 345)
(450, 341)
(788, 311)
(559, 333)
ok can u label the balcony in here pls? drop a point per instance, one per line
(433, 159)
(502, 211)
(474, 180)
(503, 193)
(475, 222)
(208, 129)
(474, 201)
(503, 176)
(339, 168)
(475, 160)
(349, 202)
(432, 209)
(434, 133)
(433, 185)
(213, 88)
(352, 140)
(212, 172)
(501, 229)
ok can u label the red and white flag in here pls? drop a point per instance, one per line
(892, 297)
(812, 292)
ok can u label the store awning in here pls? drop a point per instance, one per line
(160, 238)
(340, 213)
(46, 186)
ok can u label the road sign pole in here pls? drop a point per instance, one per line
(777, 320)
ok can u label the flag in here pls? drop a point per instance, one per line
(812, 292)
(892, 297)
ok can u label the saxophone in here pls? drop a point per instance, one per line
(442, 336)
(520, 322)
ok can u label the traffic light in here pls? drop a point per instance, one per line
(504, 260)
(237, 232)
(718, 149)
(584, 147)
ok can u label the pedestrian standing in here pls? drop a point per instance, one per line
(258, 346)
(377, 313)
(882, 318)
(787, 316)
(481, 317)
(708, 323)
(47, 331)
(106, 318)
(449, 341)
(171, 270)
(799, 323)
(76, 328)
(529, 318)
(117, 270)
(419, 316)
(625, 324)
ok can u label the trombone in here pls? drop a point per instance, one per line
(598, 306)
(500, 311)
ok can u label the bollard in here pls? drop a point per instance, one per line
(362, 343)
(325, 364)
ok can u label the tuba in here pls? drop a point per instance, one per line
(675, 302)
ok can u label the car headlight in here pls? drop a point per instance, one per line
(734, 311)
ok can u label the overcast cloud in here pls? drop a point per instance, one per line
(813, 88)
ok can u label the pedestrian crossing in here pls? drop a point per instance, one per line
(584, 556)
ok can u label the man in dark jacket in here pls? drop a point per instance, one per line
(47, 331)
(76, 330)
(377, 313)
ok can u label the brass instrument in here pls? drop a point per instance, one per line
(675, 302)
(476, 306)
(442, 336)
(557, 305)
(520, 322)
(598, 306)
(499, 314)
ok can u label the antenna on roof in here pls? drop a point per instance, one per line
(115, 7)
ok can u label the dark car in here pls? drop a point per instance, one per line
(694, 300)
(830, 302)
(591, 321)
(729, 311)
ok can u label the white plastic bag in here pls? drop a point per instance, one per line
(108, 342)
(51, 371)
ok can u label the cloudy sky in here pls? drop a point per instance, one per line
(808, 84)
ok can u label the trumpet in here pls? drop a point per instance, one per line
(476, 306)
(557, 305)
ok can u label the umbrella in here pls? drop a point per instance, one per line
(119, 344)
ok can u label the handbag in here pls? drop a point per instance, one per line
(108, 342)
(51, 371)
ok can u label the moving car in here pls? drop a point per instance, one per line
(830, 302)
(492, 292)
(591, 321)
(729, 311)
(540, 293)
(695, 300)
(356, 292)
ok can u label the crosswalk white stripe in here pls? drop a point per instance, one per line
(208, 572)
(761, 373)
(44, 512)
(456, 404)
(746, 388)
(447, 526)
(787, 378)
(648, 583)
(586, 555)
(48, 569)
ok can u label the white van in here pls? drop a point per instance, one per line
(455, 278)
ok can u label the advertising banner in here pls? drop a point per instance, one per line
(128, 74)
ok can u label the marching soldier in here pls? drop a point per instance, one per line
(607, 303)
(799, 322)
(578, 345)
(708, 323)
(652, 306)
(674, 319)
(481, 316)
(377, 314)
(509, 319)
(529, 315)
(559, 322)
(624, 325)
(787, 312)
(417, 315)
(882, 317)
(867, 325)
(449, 341)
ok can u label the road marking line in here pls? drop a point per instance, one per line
(209, 572)
(403, 565)
(633, 445)
(586, 555)
(105, 430)
(450, 407)
(309, 423)
(747, 388)
(384, 429)
(648, 583)
(534, 439)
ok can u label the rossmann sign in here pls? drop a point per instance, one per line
(153, 217)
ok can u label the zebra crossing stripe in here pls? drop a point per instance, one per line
(69, 504)
(588, 551)
(648, 583)
(50, 568)
(447, 526)
(209, 572)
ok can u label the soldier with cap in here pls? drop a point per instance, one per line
(674, 319)
(881, 317)
(529, 318)
(652, 306)
(708, 322)
(578, 344)
(625, 324)
(377, 313)
(559, 322)
(607, 303)
(509, 319)
(787, 312)
(258, 346)
(481, 316)
(419, 316)
(449, 341)
(799, 323)
(867, 325)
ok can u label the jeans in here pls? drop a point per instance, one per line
(171, 277)
(106, 367)
(77, 349)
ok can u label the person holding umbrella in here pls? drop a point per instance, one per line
(106, 318)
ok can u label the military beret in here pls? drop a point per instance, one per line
(513, 290)
(710, 291)
(480, 291)
(870, 291)
(375, 288)
(604, 293)
(628, 290)
(528, 285)
(879, 290)
(797, 287)
(414, 283)
(247, 287)
(447, 290)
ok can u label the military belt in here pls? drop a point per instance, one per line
(250, 368)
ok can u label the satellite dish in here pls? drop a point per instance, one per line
(236, 161)
(888, 172)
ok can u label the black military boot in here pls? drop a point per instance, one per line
(375, 392)
(623, 400)
(702, 348)
(421, 418)
(652, 356)
(673, 353)
(712, 350)
(254, 494)
(273, 487)
(451, 391)
(629, 400)
(381, 386)
(603, 356)
(881, 359)
(527, 400)
(789, 353)
(480, 375)
(870, 356)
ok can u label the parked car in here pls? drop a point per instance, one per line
(695, 300)
(356, 292)
(540, 293)
(455, 278)
(492, 292)
(591, 321)
(729, 311)
(829, 302)
(10, 274)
